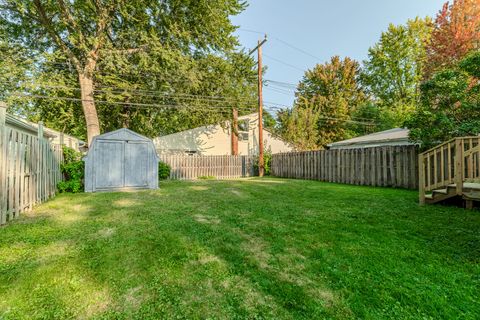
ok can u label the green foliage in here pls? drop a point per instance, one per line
(163, 170)
(180, 48)
(269, 121)
(326, 98)
(242, 249)
(267, 163)
(394, 70)
(299, 126)
(73, 170)
(206, 178)
(450, 105)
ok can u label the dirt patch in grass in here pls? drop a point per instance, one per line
(208, 258)
(199, 188)
(98, 303)
(206, 219)
(53, 251)
(125, 203)
(265, 181)
(106, 232)
(134, 297)
(257, 249)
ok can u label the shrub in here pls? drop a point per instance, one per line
(267, 159)
(73, 170)
(206, 178)
(163, 171)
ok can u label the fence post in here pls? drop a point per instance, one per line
(3, 169)
(421, 180)
(40, 130)
(458, 178)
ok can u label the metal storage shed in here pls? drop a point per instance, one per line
(121, 159)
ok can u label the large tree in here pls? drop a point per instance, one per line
(95, 40)
(393, 72)
(332, 93)
(450, 104)
(456, 33)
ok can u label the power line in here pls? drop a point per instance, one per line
(280, 91)
(146, 93)
(298, 49)
(326, 117)
(251, 31)
(288, 44)
(283, 62)
(125, 104)
(140, 93)
(287, 84)
(285, 89)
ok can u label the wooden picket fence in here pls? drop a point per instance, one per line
(389, 166)
(29, 172)
(185, 167)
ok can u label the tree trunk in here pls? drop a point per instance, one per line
(88, 104)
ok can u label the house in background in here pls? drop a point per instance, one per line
(217, 140)
(31, 128)
(391, 137)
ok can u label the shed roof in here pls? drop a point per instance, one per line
(122, 134)
(391, 135)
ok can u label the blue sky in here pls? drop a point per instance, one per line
(322, 29)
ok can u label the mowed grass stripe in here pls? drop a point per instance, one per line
(249, 248)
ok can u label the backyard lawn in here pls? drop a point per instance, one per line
(252, 248)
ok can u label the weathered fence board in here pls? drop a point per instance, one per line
(390, 166)
(185, 167)
(29, 171)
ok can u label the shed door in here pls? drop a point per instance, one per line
(136, 164)
(109, 169)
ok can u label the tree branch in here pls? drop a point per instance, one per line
(72, 24)
(45, 21)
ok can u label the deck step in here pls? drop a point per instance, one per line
(472, 195)
(442, 191)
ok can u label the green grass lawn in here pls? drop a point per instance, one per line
(254, 248)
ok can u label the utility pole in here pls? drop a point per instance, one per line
(261, 164)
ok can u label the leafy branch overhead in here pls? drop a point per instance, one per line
(123, 47)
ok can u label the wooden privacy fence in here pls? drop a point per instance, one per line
(29, 170)
(390, 166)
(185, 167)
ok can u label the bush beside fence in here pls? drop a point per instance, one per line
(389, 166)
(185, 167)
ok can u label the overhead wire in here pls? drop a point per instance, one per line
(288, 44)
(124, 104)
(148, 93)
(283, 62)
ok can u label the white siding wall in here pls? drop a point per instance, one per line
(215, 140)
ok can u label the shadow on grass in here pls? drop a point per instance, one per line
(224, 249)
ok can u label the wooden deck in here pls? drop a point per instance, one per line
(450, 170)
(470, 193)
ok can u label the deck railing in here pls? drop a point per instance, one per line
(453, 162)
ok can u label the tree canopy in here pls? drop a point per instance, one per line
(455, 34)
(450, 104)
(116, 55)
(395, 68)
(326, 98)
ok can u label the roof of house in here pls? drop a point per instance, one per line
(245, 117)
(25, 125)
(391, 135)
